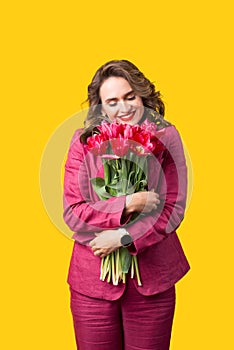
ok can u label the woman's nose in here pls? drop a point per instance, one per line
(123, 106)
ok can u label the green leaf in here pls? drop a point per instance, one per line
(131, 190)
(124, 168)
(118, 186)
(125, 258)
(106, 172)
(130, 181)
(98, 184)
(97, 181)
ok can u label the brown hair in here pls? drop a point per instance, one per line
(140, 84)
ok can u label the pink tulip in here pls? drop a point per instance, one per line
(105, 130)
(97, 144)
(145, 137)
(120, 146)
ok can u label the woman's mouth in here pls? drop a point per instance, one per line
(128, 117)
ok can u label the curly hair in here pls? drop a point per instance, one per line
(139, 83)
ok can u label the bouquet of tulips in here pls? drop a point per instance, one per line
(124, 150)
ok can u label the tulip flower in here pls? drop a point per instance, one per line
(124, 150)
(97, 144)
(120, 146)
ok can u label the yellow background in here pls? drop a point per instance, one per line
(51, 49)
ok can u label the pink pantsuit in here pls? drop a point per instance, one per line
(160, 256)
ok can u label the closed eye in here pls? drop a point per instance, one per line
(131, 98)
(113, 104)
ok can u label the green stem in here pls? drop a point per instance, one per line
(105, 267)
(109, 270)
(117, 265)
(132, 268)
(124, 175)
(102, 266)
(124, 277)
(113, 268)
(106, 172)
(137, 270)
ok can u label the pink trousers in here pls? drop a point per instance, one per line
(133, 322)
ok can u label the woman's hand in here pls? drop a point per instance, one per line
(106, 242)
(142, 202)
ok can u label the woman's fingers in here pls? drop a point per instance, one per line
(102, 252)
(97, 252)
(151, 201)
(142, 202)
(105, 242)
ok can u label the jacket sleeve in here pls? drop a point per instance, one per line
(172, 189)
(82, 214)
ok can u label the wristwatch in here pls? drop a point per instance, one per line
(126, 240)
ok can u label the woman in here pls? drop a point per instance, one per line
(125, 316)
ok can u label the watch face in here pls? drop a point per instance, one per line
(126, 240)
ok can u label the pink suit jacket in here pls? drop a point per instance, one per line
(161, 259)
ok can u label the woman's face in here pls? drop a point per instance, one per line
(119, 101)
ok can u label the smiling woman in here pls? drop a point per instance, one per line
(137, 223)
(125, 106)
(132, 91)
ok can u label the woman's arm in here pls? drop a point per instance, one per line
(172, 189)
(81, 214)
